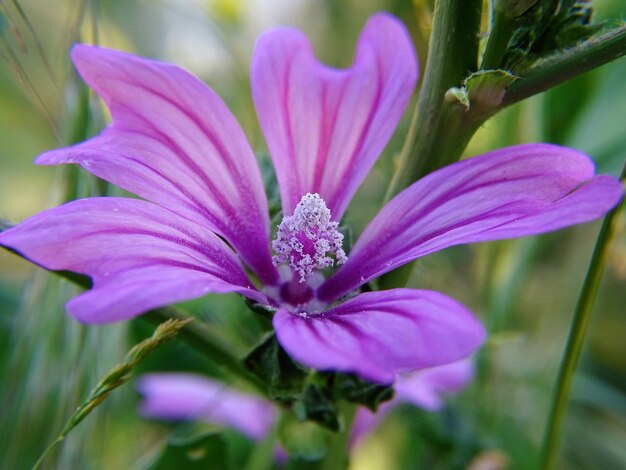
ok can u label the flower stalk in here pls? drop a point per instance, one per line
(437, 135)
(337, 455)
(502, 28)
(576, 338)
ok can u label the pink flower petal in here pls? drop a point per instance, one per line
(174, 142)
(326, 127)
(182, 396)
(508, 193)
(139, 256)
(427, 388)
(365, 422)
(381, 334)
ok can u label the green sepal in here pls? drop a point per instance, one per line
(283, 377)
(315, 403)
(482, 90)
(312, 396)
(354, 389)
(264, 310)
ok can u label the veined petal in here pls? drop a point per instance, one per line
(139, 255)
(183, 396)
(508, 193)
(325, 127)
(174, 142)
(381, 334)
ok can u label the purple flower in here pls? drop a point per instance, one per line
(425, 389)
(203, 223)
(183, 396)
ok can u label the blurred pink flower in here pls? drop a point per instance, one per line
(185, 396)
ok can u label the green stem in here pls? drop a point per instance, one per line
(337, 456)
(439, 131)
(502, 28)
(437, 135)
(576, 338)
(593, 53)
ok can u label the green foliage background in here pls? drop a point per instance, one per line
(523, 290)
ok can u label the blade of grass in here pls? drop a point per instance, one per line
(576, 338)
(38, 45)
(116, 377)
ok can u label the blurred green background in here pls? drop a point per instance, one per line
(523, 290)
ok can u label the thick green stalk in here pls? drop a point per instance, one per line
(576, 339)
(442, 128)
(337, 456)
(437, 134)
(439, 138)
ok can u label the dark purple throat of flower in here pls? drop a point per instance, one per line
(306, 242)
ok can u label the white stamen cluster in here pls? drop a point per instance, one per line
(306, 238)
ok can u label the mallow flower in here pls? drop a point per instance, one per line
(202, 224)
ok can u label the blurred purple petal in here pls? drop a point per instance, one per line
(139, 256)
(326, 127)
(174, 142)
(425, 389)
(512, 192)
(180, 396)
(380, 334)
(366, 421)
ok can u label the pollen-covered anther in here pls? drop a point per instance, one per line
(308, 240)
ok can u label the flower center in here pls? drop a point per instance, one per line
(308, 240)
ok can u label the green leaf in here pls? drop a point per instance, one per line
(200, 452)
